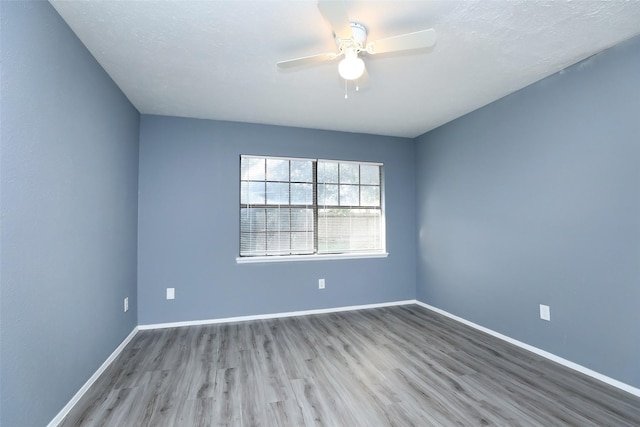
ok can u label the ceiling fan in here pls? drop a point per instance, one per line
(351, 40)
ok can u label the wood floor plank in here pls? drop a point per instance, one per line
(394, 366)
(285, 413)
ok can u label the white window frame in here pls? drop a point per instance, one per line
(381, 253)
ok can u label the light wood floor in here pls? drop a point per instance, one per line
(396, 366)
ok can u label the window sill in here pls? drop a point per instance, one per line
(328, 257)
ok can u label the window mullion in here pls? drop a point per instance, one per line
(314, 169)
(289, 213)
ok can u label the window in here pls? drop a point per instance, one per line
(292, 206)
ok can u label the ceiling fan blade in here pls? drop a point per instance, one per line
(417, 40)
(335, 12)
(308, 60)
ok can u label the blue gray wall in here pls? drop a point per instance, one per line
(535, 199)
(189, 223)
(69, 146)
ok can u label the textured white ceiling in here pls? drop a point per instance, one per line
(217, 59)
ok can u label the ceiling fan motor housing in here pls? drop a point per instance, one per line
(358, 38)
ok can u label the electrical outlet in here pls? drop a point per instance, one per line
(126, 304)
(321, 284)
(545, 312)
(171, 293)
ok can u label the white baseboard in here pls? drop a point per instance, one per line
(273, 315)
(63, 413)
(569, 364)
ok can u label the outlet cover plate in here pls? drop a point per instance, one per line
(171, 293)
(545, 312)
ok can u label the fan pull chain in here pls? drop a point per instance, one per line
(345, 90)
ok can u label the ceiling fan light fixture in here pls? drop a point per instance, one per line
(351, 67)
(351, 39)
